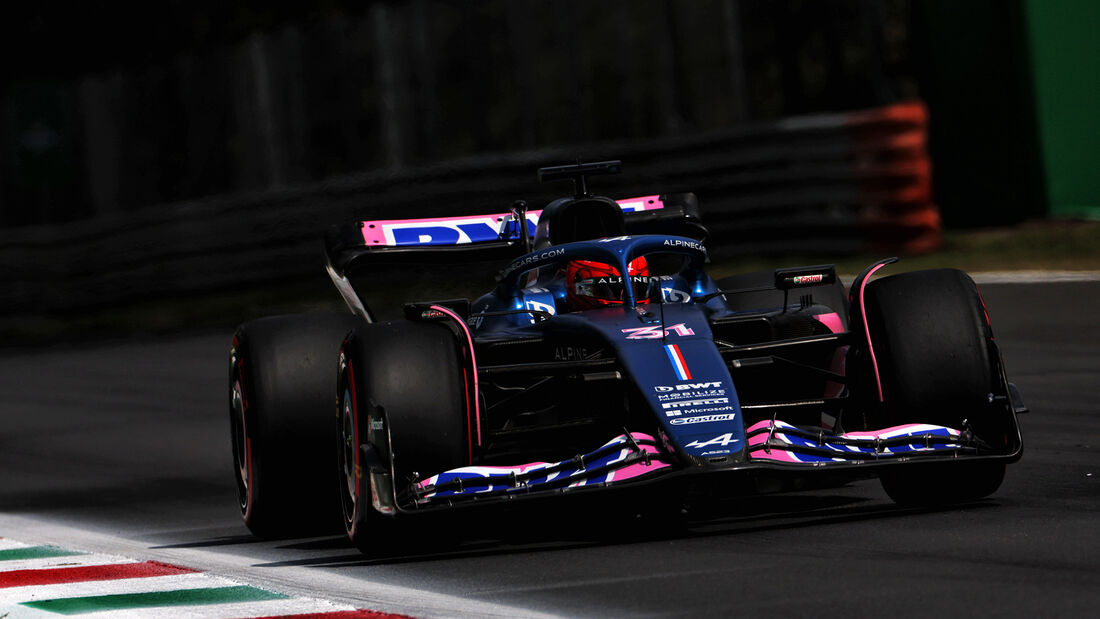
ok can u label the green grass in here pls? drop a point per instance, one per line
(1048, 245)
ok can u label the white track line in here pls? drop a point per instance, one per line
(265, 608)
(302, 582)
(12, 598)
(79, 560)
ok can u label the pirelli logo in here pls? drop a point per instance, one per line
(707, 402)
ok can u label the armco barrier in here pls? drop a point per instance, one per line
(837, 183)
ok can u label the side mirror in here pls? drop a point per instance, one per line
(797, 277)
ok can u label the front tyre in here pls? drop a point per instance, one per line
(933, 344)
(401, 414)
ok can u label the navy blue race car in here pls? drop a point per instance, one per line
(605, 360)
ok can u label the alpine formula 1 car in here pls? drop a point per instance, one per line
(606, 360)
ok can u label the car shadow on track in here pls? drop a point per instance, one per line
(229, 540)
(480, 535)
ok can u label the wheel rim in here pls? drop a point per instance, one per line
(242, 446)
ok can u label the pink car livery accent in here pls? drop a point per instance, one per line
(778, 441)
(624, 457)
(463, 230)
(839, 363)
(832, 321)
(476, 422)
(867, 328)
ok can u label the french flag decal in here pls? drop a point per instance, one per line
(678, 364)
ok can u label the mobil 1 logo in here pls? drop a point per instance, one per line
(689, 391)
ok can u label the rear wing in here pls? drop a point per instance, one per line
(487, 237)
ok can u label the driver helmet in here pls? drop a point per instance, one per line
(590, 284)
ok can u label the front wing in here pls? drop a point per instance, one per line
(634, 456)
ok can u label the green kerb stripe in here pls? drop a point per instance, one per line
(183, 597)
(35, 552)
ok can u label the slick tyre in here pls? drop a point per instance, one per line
(281, 379)
(932, 342)
(402, 414)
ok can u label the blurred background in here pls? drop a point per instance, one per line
(176, 163)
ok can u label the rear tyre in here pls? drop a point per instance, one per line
(402, 413)
(281, 380)
(931, 339)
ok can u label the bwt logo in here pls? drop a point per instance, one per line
(686, 386)
(461, 230)
(454, 232)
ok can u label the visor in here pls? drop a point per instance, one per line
(610, 288)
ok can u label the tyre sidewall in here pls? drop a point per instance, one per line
(932, 341)
(409, 404)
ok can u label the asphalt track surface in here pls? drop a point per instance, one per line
(124, 445)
